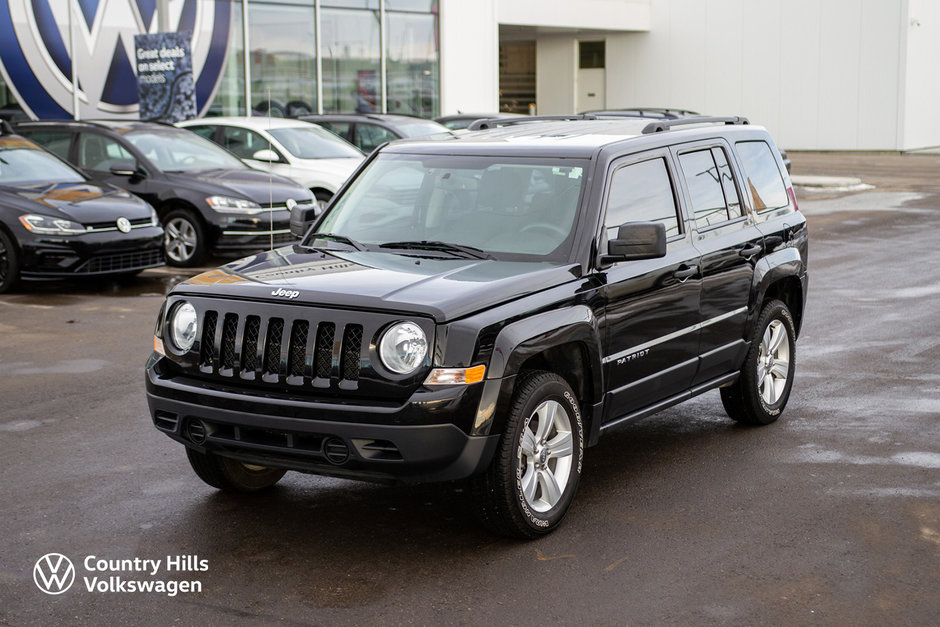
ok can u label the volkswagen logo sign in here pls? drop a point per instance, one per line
(36, 53)
(124, 225)
(291, 203)
(54, 573)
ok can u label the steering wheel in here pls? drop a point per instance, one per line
(545, 226)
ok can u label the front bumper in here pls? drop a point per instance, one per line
(93, 254)
(414, 442)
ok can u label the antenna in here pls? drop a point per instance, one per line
(270, 182)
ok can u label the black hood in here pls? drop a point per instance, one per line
(83, 202)
(260, 187)
(444, 289)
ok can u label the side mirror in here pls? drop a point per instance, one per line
(302, 218)
(125, 168)
(637, 240)
(266, 154)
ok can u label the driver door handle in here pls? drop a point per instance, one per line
(749, 251)
(684, 272)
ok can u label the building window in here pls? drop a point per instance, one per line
(350, 58)
(283, 58)
(229, 96)
(412, 65)
(591, 55)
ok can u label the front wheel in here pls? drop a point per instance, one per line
(761, 392)
(232, 475)
(534, 475)
(9, 263)
(184, 238)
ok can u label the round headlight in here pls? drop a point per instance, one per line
(403, 347)
(183, 327)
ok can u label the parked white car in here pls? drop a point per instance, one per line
(302, 151)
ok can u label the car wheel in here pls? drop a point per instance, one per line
(761, 392)
(9, 263)
(232, 475)
(322, 200)
(534, 475)
(184, 238)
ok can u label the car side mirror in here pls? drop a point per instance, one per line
(302, 218)
(125, 168)
(266, 154)
(637, 240)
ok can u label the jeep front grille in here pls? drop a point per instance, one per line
(281, 350)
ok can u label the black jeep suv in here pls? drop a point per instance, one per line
(487, 307)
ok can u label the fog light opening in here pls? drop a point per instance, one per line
(335, 451)
(196, 431)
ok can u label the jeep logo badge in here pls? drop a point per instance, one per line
(291, 294)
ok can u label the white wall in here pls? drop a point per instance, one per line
(589, 14)
(820, 74)
(469, 36)
(921, 100)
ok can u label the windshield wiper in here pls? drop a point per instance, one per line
(338, 238)
(467, 251)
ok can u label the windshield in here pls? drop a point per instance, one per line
(182, 151)
(508, 208)
(314, 143)
(420, 128)
(21, 163)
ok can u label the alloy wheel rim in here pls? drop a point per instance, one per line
(546, 456)
(773, 362)
(179, 239)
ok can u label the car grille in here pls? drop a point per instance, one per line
(111, 225)
(122, 262)
(296, 351)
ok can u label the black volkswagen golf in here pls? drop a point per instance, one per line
(55, 223)
(208, 199)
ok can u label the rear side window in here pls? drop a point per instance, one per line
(764, 182)
(54, 141)
(642, 192)
(711, 187)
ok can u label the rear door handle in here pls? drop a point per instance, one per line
(683, 273)
(749, 251)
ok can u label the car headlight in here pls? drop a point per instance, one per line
(44, 225)
(182, 326)
(226, 204)
(154, 218)
(403, 347)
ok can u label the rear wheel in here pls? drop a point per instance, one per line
(184, 238)
(322, 200)
(761, 392)
(232, 475)
(534, 475)
(9, 263)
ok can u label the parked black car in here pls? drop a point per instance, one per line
(55, 223)
(368, 131)
(487, 307)
(208, 199)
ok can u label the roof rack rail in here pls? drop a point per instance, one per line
(485, 123)
(664, 125)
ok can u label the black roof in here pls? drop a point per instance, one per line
(114, 125)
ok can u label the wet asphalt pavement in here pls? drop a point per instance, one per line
(830, 516)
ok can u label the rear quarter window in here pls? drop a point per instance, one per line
(763, 180)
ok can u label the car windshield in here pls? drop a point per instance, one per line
(420, 128)
(21, 163)
(506, 208)
(314, 143)
(182, 151)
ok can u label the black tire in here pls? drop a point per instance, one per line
(761, 392)
(526, 493)
(184, 238)
(232, 475)
(9, 263)
(322, 199)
